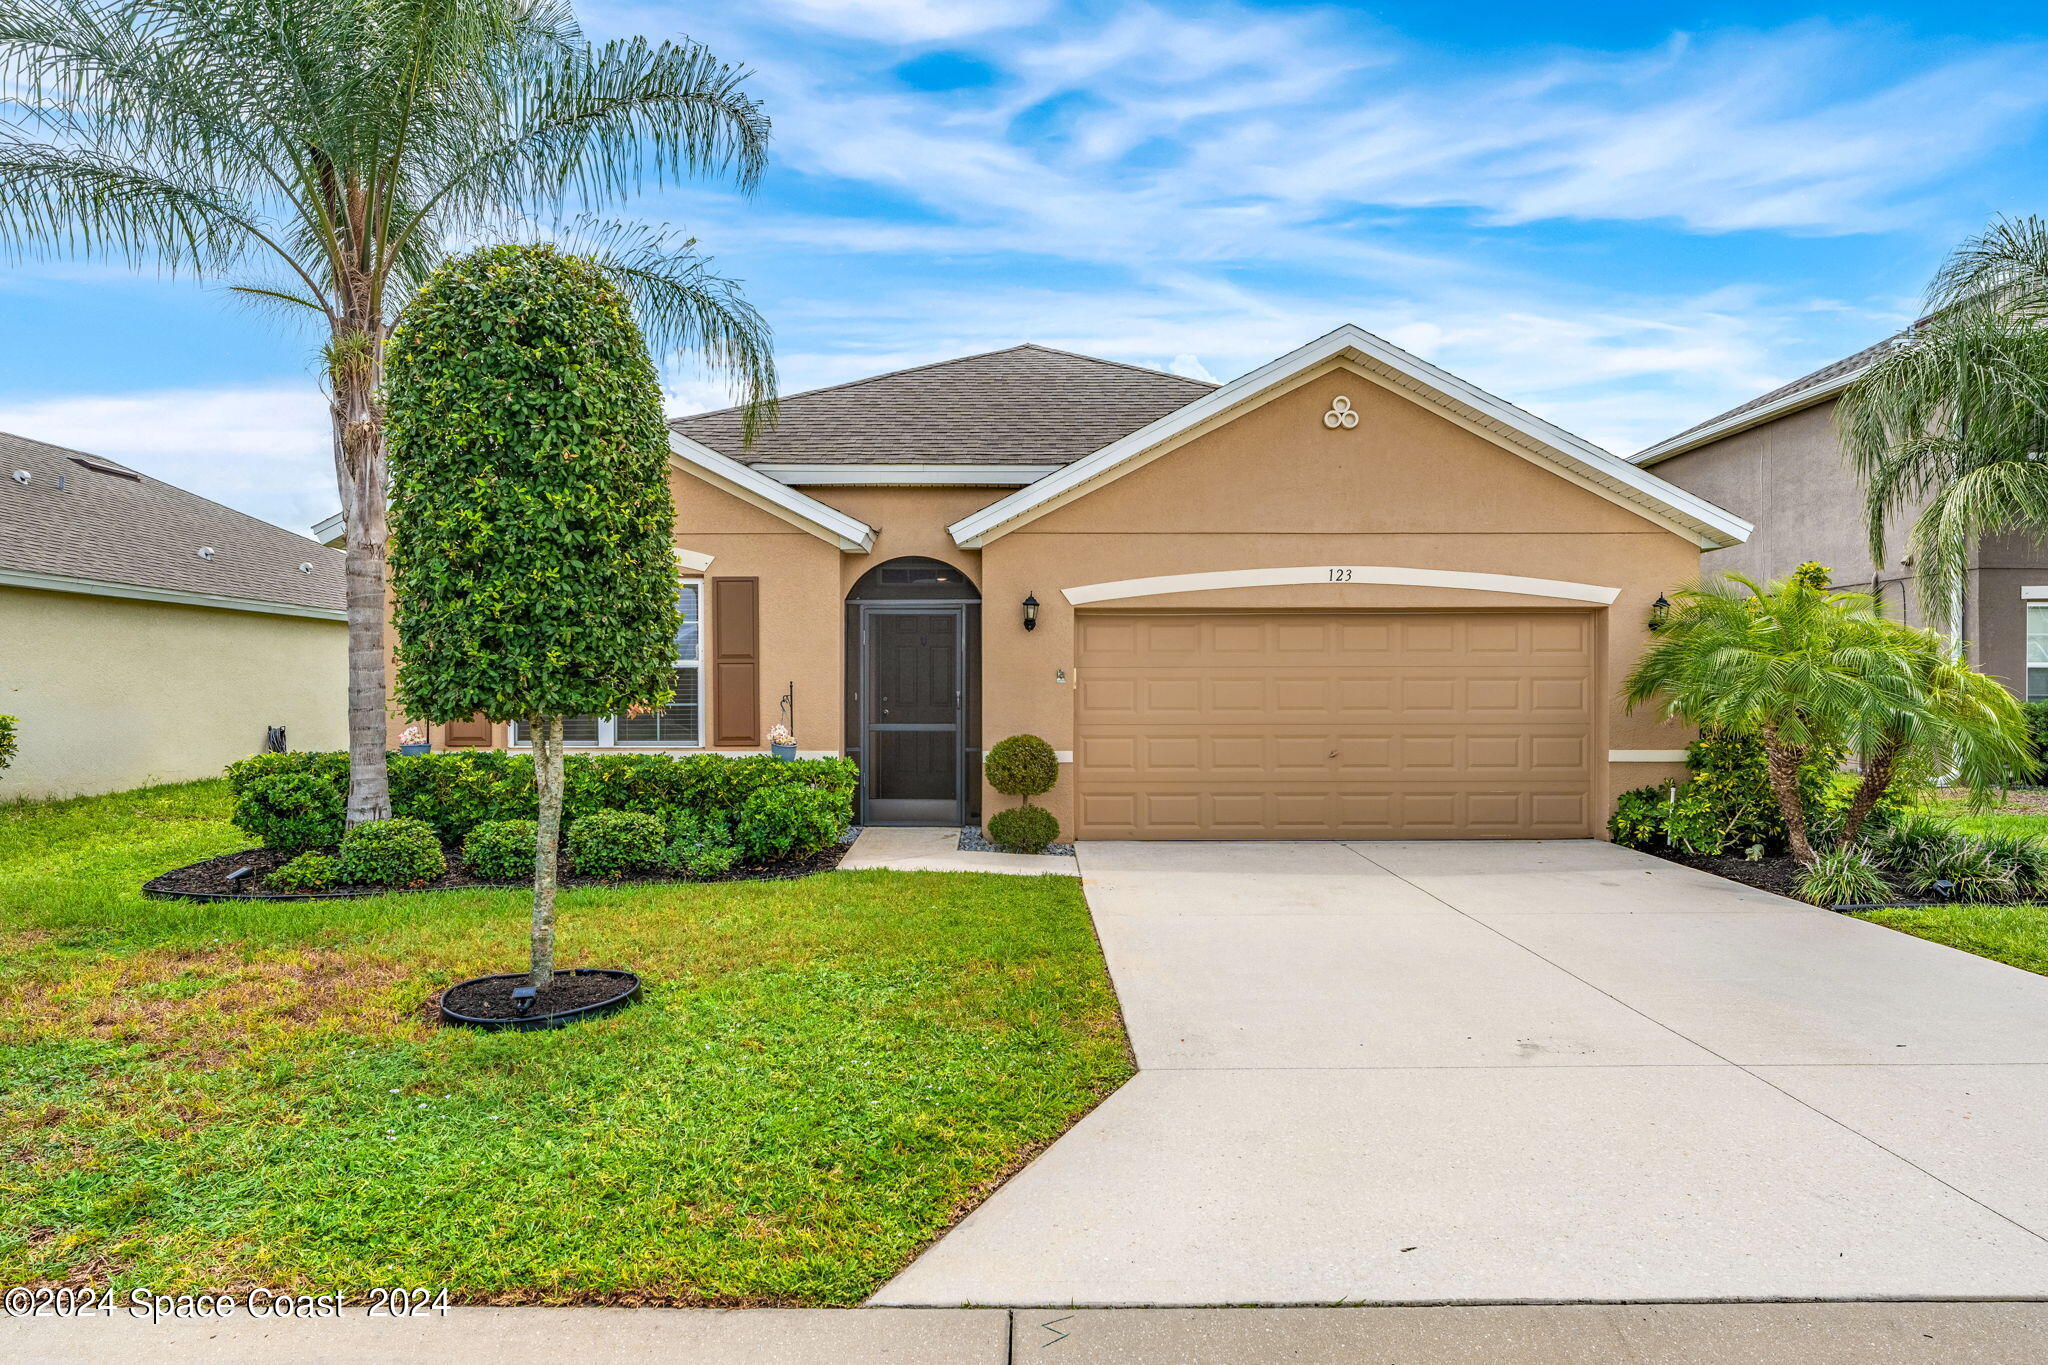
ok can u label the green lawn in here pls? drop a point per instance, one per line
(821, 1076)
(2017, 934)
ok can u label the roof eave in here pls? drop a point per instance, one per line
(779, 499)
(1745, 421)
(1708, 526)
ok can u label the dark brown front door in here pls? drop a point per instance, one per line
(912, 710)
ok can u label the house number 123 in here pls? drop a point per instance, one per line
(1340, 575)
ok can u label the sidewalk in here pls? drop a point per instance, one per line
(1655, 1334)
(923, 849)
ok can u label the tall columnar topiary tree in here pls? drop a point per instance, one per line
(531, 523)
(317, 154)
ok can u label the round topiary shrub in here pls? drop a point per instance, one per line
(778, 823)
(400, 852)
(502, 850)
(1027, 829)
(307, 872)
(1022, 765)
(292, 810)
(613, 843)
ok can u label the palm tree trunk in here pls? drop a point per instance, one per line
(547, 778)
(354, 371)
(1877, 779)
(1782, 762)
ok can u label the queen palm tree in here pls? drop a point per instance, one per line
(324, 155)
(1954, 420)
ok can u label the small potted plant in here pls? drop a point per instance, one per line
(781, 742)
(413, 740)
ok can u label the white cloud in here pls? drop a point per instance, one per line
(915, 21)
(1190, 364)
(264, 451)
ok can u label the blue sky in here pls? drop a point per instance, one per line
(1624, 217)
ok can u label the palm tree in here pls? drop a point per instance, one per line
(324, 155)
(1954, 420)
(1798, 665)
(1950, 723)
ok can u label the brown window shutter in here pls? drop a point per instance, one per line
(735, 661)
(474, 733)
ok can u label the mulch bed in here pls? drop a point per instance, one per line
(1777, 875)
(207, 880)
(491, 997)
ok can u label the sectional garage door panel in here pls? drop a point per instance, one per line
(1353, 725)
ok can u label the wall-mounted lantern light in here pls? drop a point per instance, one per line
(1031, 611)
(1660, 612)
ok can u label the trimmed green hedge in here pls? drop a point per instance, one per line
(455, 792)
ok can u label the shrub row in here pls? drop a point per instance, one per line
(298, 800)
(1924, 857)
(1727, 806)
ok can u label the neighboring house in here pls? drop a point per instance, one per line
(1778, 461)
(148, 635)
(1345, 595)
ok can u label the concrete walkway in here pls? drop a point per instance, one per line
(1642, 1334)
(1522, 1072)
(920, 849)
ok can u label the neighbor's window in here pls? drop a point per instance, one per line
(2037, 652)
(680, 724)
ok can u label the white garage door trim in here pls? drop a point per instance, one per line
(1341, 573)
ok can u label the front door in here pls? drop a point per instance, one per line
(912, 700)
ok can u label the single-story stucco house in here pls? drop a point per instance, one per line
(149, 635)
(1346, 595)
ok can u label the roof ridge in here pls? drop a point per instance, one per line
(940, 364)
(1120, 364)
(177, 488)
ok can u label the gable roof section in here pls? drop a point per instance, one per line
(1026, 406)
(1521, 432)
(112, 531)
(800, 510)
(1803, 392)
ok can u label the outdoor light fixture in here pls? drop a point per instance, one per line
(1660, 611)
(523, 998)
(1031, 611)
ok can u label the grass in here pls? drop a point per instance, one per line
(2021, 811)
(821, 1077)
(2015, 934)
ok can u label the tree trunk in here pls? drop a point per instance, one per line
(1877, 779)
(547, 778)
(1782, 761)
(354, 368)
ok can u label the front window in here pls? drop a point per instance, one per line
(2037, 652)
(680, 724)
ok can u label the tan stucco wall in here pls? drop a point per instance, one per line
(1276, 488)
(113, 693)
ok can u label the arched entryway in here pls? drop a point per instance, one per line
(913, 692)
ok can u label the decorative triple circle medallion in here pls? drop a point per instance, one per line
(1340, 414)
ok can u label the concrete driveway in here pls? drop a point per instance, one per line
(1521, 1072)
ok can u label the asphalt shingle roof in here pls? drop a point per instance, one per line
(1028, 405)
(1819, 379)
(125, 527)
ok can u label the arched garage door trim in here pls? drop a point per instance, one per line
(1341, 573)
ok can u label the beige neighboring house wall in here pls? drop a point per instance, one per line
(114, 693)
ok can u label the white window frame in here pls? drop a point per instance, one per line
(2028, 693)
(608, 726)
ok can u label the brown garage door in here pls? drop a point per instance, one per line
(1353, 725)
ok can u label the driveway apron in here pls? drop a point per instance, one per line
(1543, 1071)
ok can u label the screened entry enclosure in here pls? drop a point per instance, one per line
(913, 693)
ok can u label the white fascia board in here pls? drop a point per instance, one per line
(1743, 421)
(328, 531)
(93, 587)
(1601, 472)
(907, 475)
(807, 513)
